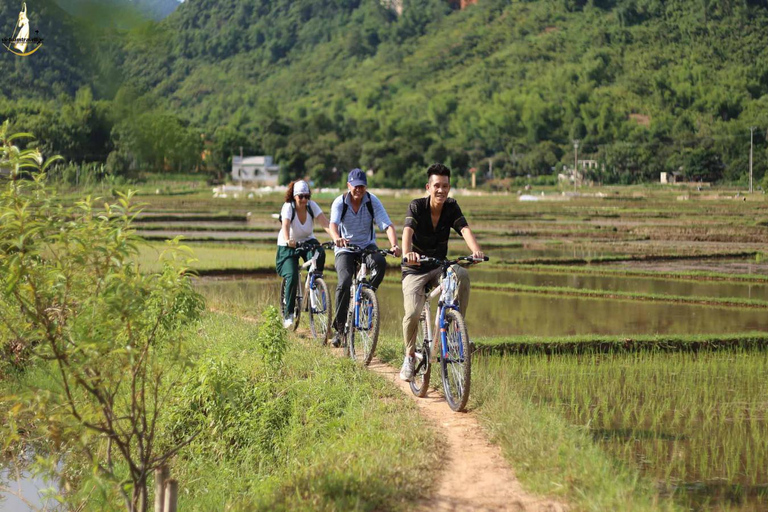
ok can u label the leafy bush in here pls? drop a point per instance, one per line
(72, 293)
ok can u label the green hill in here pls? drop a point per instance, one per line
(644, 85)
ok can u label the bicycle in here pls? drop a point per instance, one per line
(363, 312)
(319, 304)
(455, 352)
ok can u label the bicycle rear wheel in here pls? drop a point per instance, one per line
(319, 306)
(365, 334)
(456, 364)
(296, 307)
(423, 370)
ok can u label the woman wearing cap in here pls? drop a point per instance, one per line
(297, 217)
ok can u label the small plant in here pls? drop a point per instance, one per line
(271, 338)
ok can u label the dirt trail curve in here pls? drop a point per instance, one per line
(477, 477)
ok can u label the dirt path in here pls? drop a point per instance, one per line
(476, 477)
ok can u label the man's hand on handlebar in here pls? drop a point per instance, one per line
(478, 255)
(412, 258)
(396, 251)
(341, 242)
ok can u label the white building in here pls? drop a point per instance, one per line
(254, 169)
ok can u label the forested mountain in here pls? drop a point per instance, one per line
(644, 85)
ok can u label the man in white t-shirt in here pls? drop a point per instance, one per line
(297, 223)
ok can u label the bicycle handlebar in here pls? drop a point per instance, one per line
(314, 245)
(439, 262)
(357, 249)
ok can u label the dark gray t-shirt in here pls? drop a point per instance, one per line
(428, 240)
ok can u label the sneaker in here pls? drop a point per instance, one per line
(336, 342)
(288, 321)
(406, 372)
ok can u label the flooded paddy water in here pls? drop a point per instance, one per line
(499, 313)
(633, 284)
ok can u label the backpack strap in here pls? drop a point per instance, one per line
(345, 207)
(293, 211)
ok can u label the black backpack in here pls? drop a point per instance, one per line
(293, 213)
(345, 207)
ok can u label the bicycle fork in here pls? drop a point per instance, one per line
(359, 309)
(445, 349)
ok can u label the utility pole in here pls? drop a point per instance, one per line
(751, 146)
(575, 161)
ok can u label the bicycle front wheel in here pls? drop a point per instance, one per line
(423, 370)
(456, 361)
(366, 332)
(320, 311)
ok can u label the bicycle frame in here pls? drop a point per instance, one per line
(311, 267)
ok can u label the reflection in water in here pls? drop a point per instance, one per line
(22, 491)
(686, 288)
(561, 252)
(496, 313)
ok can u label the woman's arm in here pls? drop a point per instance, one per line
(286, 229)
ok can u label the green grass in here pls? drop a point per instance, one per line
(214, 256)
(592, 344)
(695, 423)
(683, 275)
(322, 433)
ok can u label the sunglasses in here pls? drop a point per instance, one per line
(303, 196)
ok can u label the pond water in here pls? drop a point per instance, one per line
(496, 313)
(22, 491)
(687, 288)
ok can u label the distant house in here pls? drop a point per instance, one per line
(254, 169)
(670, 177)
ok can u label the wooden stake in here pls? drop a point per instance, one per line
(171, 495)
(161, 475)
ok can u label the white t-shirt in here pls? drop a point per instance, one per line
(298, 231)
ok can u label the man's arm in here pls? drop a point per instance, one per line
(412, 257)
(333, 229)
(333, 225)
(392, 235)
(471, 241)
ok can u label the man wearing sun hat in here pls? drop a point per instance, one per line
(354, 217)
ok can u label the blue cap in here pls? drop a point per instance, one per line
(357, 178)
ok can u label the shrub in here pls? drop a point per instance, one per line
(71, 289)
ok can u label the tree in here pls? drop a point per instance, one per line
(73, 293)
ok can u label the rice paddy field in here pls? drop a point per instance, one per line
(635, 319)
